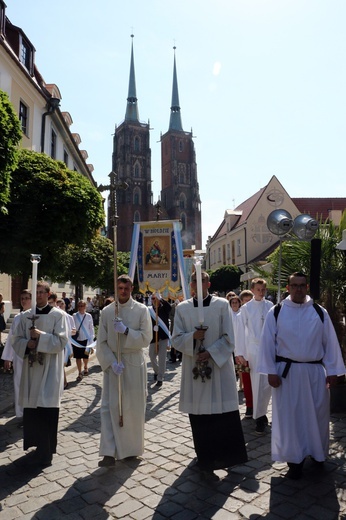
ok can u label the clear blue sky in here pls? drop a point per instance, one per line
(262, 83)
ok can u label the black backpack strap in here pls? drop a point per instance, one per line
(277, 309)
(319, 311)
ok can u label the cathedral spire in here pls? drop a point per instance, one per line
(175, 119)
(132, 107)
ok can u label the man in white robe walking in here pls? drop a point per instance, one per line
(212, 405)
(41, 387)
(300, 353)
(124, 377)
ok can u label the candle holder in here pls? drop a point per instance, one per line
(202, 368)
(33, 354)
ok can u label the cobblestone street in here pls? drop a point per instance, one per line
(164, 484)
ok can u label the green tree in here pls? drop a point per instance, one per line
(50, 208)
(225, 278)
(10, 136)
(92, 264)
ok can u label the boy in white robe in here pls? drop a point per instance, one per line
(300, 353)
(249, 330)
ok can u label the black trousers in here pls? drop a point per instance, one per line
(219, 440)
(40, 428)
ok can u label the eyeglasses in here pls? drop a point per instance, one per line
(298, 285)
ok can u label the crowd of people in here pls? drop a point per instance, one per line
(286, 352)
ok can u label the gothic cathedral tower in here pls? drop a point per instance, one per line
(131, 164)
(131, 161)
(179, 185)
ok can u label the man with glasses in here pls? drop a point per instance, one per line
(210, 397)
(300, 353)
(41, 345)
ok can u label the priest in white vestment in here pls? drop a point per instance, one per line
(212, 405)
(119, 350)
(300, 353)
(41, 387)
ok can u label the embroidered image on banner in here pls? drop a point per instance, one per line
(157, 259)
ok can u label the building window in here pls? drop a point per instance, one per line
(137, 144)
(53, 139)
(181, 146)
(137, 171)
(219, 254)
(183, 221)
(137, 196)
(24, 117)
(228, 252)
(238, 247)
(65, 157)
(25, 54)
(136, 217)
(182, 201)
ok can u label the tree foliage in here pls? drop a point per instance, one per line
(10, 136)
(92, 264)
(225, 278)
(50, 207)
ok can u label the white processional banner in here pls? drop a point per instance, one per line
(157, 250)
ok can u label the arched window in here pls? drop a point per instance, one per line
(137, 144)
(183, 221)
(137, 196)
(137, 171)
(182, 201)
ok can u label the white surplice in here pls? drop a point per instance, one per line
(300, 406)
(10, 355)
(127, 440)
(219, 393)
(249, 328)
(42, 385)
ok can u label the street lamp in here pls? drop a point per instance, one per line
(280, 223)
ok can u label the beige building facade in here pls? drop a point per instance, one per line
(243, 236)
(46, 128)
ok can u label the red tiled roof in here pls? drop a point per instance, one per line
(319, 208)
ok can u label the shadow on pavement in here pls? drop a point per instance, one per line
(189, 493)
(93, 496)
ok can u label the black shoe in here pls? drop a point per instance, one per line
(155, 377)
(295, 470)
(209, 476)
(159, 384)
(36, 459)
(107, 462)
(261, 425)
(248, 413)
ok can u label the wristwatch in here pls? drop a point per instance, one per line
(126, 331)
